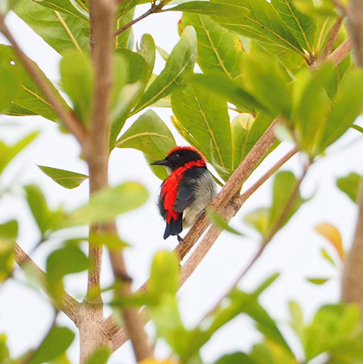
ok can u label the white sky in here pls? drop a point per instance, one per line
(25, 315)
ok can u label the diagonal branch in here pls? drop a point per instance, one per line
(66, 116)
(355, 22)
(68, 304)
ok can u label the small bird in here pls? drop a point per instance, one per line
(187, 191)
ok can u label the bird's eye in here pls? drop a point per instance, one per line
(176, 156)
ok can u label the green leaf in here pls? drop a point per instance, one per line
(61, 262)
(122, 40)
(179, 65)
(66, 7)
(45, 218)
(346, 108)
(235, 358)
(9, 86)
(209, 8)
(136, 78)
(262, 23)
(224, 88)
(261, 75)
(99, 356)
(107, 204)
(270, 352)
(113, 242)
(219, 222)
(61, 31)
(297, 319)
(350, 185)
(357, 127)
(7, 5)
(56, 343)
(264, 219)
(327, 257)
(4, 351)
(147, 51)
(8, 234)
(164, 276)
(29, 100)
(205, 118)
(301, 25)
(318, 281)
(66, 179)
(219, 50)
(246, 131)
(8, 153)
(77, 80)
(150, 135)
(311, 107)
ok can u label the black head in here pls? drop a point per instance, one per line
(179, 156)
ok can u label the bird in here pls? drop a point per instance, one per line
(187, 191)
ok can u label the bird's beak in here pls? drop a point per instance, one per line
(161, 162)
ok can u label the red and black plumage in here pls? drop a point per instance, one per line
(187, 191)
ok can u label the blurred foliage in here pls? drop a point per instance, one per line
(254, 57)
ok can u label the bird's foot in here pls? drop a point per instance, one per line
(180, 239)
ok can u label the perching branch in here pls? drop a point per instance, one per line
(341, 52)
(68, 118)
(68, 304)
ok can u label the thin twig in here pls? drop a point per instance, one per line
(68, 304)
(341, 52)
(331, 39)
(67, 117)
(275, 228)
(153, 10)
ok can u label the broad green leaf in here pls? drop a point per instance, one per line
(179, 65)
(67, 7)
(113, 242)
(263, 74)
(235, 358)
(119, 101)
(64, 178)
(205, 117)
(301, 25)
(219, 50)
(56, 343)
(60, 30)
(163, 53)
(164, 276)
(9, 86)
(8, 153)
(346, 108)
(264, 219)
(122, 40)
(262, 23)
(246, 131)
(136, 78)
(61, 262)
(7, 5)
(350, 185)
(77, 80)
(45, 218)
(270, 352)
(99, 356)
(29, 100)
(219, 222)
(150, 135)
(311, 107)
(127, 5)
(209, 8)
(297, 319)
(147, 51)
(318, 281)
(107, 204)
(226, 89)
(8, 234)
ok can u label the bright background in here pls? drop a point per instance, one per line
(25, 315)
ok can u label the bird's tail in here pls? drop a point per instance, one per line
(174, 227)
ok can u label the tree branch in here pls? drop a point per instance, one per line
(97, 152)
(332, 36)
(352, 283)
(341, 52)
(68, 304)
(355, 15)
(68, 118)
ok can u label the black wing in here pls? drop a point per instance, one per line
(186, 190)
